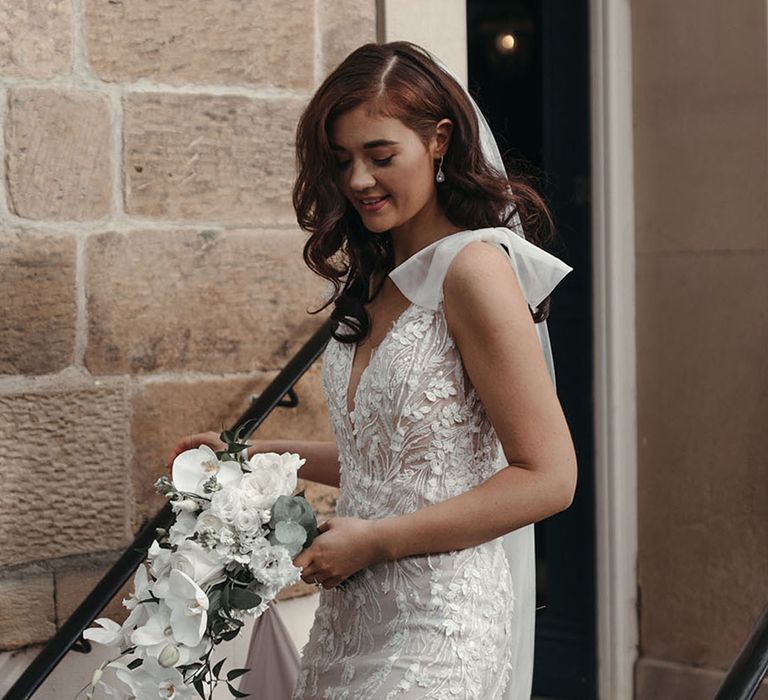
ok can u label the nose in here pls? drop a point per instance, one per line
(360, 177)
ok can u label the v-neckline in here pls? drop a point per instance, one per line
(374, 349)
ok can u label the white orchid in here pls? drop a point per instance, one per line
(140, 611)
(151, 680)
(155, 637)
(189, 608)
(183, 527)
(110, 634)
(193, 469)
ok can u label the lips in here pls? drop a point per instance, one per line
(369, 204)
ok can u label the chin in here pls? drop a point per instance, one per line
(377, 226)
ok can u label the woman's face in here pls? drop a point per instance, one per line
(383, 168)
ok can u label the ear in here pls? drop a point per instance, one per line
(442, 137)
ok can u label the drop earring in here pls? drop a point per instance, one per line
(440, 177)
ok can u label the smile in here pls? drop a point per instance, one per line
(370, 204)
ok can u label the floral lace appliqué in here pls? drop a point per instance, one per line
(433, 626)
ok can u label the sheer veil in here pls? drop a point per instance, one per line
(519, 544)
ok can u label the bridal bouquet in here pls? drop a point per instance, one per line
(228, 554)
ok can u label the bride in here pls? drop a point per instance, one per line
(450, 439)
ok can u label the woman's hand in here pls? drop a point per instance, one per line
(344, 546)
(191, 442)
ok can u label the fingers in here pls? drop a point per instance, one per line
(309, 576)
(191, 442)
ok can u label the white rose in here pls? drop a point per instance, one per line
(225, 504)
(248, 520)
(262, 487)
(286, 464)
(202, 566)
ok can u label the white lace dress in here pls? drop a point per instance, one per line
(439, 625)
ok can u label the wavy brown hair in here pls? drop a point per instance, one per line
(400, 80)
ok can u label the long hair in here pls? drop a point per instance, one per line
(400, 80)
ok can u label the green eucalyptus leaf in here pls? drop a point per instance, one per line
(285, 508)
(243, 599)
(290, 533)
(311, 534)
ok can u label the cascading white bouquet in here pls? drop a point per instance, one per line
(227, 555)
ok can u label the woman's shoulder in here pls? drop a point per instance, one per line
(477, 278)
(421, 277)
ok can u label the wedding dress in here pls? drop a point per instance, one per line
(438, 625)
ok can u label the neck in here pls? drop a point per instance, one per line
(426, 227)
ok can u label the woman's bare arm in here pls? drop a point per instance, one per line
(489, 319)
(322, 457)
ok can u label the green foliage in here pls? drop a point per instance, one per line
(244, 599)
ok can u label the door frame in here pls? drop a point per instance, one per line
(615, 420)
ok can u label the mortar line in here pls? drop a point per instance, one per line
(318, 55)
(144, 85)
(121, 223)
(5, 213)
(80, 67)
(117, 99)
(77, 378)
(81, 311)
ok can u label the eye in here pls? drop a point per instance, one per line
(341, 164)
(383, 161)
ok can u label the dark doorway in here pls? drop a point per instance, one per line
(529, 72)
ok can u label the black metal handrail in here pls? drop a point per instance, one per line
(751, 665)
(110, 584)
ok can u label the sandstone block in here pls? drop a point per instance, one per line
(59, 163)
(336, 19)
(269, 42)
(209, 301)
(73, 585)
(37, 286)
(65, 486)
(221, 158)
(35, 38)
(26, 610)
(164, 412)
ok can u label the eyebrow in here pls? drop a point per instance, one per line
(369, 144)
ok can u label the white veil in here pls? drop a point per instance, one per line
(519, 544)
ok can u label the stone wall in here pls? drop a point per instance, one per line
(701, 177)
(150, 263)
